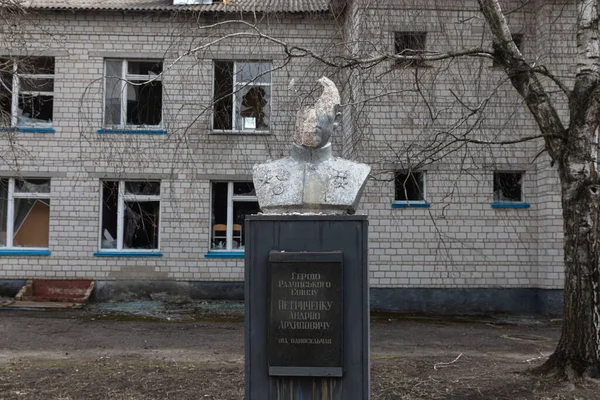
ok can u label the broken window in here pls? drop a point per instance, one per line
(27, 92)
(130, 215)
(409, 44)
(242, 96)
(24, 213)
(508, 186)
(133, 93)
(409, 186)
(231, 202)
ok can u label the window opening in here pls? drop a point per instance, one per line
(508, 186)
(24, 213)
(409, 44)
(409, 186)
(242, 96)
(133, 93)
(231, 203)
(130, 215)
(27, 92)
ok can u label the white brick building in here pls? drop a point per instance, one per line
(116, 164)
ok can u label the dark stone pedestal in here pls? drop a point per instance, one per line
(307, 307)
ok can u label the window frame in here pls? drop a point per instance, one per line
(411, 203)
(124, 79)
(236, 90)
(10, 211)
(231, 199)
(16, 94)
(122, 197)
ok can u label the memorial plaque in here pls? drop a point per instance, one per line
(305, 313)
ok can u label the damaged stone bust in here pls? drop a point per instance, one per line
(311, 180)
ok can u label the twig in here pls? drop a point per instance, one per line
(536, 358)
(445, 364)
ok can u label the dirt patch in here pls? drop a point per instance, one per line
(82, 355)
(393, 378)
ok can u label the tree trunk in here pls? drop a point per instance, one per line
(575, 152)
(578, 351)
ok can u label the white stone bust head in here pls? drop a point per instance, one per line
(315, 125)
(311, 180)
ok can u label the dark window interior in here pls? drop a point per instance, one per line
(3, 210)
(36, 108)
(140, 228)
(409, 186)
(144, 67)
(144, 101)
(6, 69)
(110, 199)
(36, 65)
(33, 107)
(143, 188)
(219, 214)
(243, 189)
(223, 92)
(240, 210)
(409, 44)
(508, 186)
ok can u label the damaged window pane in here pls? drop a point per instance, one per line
(242, 96)
(32, 186)
(35, 110)
(252, 103)
(141, 225)
(6, 92)
(223, 93)
(130, 215)
(144, 104)
(31, 223)
(110, 201)
(133, 93)
(25, 213)
(35, 102)
(231, 203)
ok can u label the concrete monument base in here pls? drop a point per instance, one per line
(307, 307)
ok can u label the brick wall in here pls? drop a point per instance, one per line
(459, 241)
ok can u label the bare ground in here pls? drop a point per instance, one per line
(83, 355)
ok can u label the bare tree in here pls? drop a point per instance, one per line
(572, 146)
(571, 143)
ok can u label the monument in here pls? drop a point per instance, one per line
(306, 270)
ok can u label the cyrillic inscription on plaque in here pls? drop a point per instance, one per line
(305, 311)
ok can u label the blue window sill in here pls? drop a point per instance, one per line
(31, 130)
(224, 254)
(127, 254)
(510, 205)
(411, 204)
(24, 252)
(133, 131)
